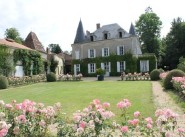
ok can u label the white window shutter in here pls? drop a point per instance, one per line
(94, 67)
(123, 49)
(94, 53)
(102, 52)
(124, 63)
(88, 53)
(109, 66)
(118, 53)
(108, 51)
(102, 66)
(88, 68)
(79, 67)
(147, 65)
(118, 66)
(141, 65)
(74, 69)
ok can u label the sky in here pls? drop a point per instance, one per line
(56, 21)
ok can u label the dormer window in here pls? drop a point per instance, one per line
(120, 35)
(91, 38)
(105, 36)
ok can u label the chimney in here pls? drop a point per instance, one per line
(48, 51)
(97, 25)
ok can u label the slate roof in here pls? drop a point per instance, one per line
(11, 43)
(111, 29)
(132, 30)
(80, 36)
(33, 42)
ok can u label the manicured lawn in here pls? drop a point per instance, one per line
(77, 95)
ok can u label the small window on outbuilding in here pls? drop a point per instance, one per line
(120, 35)
(105, 36)
(92, 38)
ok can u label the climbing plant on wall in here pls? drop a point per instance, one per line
(6, 61)
(31, 61)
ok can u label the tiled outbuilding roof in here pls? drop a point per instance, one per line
(33, 42)
(11, 43)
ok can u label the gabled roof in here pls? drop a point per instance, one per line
(33, 42)
(132, 30)
(11, 43)
(80, 36)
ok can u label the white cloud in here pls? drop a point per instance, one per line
(56, 21)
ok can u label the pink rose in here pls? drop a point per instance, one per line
(181, 130)
(82, 124)
(96, 101)
(3, 132)
(106, 105)
(149, 126)
(136, 114)
(124, 129)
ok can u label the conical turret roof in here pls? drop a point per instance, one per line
(80, 36)
(132, 30)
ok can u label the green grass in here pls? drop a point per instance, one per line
(177, 98)
(77, 95)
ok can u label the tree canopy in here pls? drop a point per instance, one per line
(55, 48)
(148, 29)
(12, 33)
(175, 43)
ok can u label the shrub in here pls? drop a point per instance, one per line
(173, 73)
(3, 82)
(154, 75)
(161, 70)
(51, 77)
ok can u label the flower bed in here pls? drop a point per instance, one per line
(69, 77)
(33, 119)
(135, 76)
(16, 81)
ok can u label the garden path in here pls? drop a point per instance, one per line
(163, 100)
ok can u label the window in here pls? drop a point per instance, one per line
(105, 52)
(106, 66)
(144, 65)
(77, 54)
(120, 34)
(76, 69)
(120, 50)
(105, 36)
(91, 53)
(91, 38)
(121, 66)
(91, 68)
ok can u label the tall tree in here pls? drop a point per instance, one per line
(12, 33)
(55, 48)
(148, 29)
(175, 43)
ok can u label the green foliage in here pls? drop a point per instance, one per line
(148, 29)
(55, 48)
(132, 63)
(53, 65)
(175, 41)
(173, 73)
(6, 61)
(181, 64)
(28, 58)
(12, 33)
(154, 75)
(152, 61)
(100, 71)
(51, 77)
(3, 82)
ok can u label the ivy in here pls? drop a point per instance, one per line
(29, 58)
(6, 61)
(131, 63)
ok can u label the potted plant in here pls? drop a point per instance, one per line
(100, 74)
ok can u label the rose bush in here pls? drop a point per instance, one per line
(31, 119)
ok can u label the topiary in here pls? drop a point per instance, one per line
(173, 73)
(154, 75)
(51, 77)
(3, 82)
(161, 70)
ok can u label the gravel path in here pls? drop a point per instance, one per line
(163, 100)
